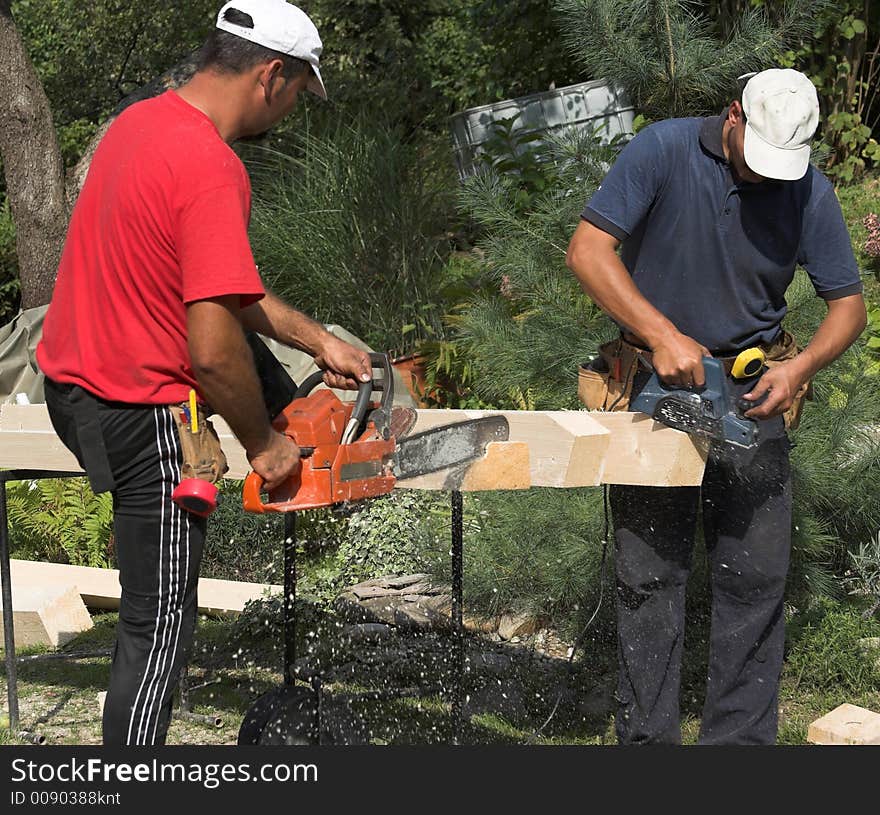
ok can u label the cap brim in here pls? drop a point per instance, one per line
(770, 161)
(316, 84)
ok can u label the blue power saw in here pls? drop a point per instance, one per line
(711, 411)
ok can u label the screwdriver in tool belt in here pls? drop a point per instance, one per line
(193, 410)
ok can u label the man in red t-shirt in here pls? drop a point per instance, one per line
(156, 288)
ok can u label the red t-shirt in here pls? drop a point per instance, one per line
(161, 221)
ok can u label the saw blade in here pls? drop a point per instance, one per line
(448, 446)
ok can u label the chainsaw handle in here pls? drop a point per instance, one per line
(383, 361)
(365, 390)
(376, 361)
(250, 494)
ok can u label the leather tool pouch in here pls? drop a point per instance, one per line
(784, 349)
(606, 382)
(202, 455)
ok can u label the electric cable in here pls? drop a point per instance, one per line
(580, 638)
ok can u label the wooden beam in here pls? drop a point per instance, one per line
(846, 724)
(565, 449)
(99, 588)
(584, 449)
(49, 615)
(647, 453)
(28, 440)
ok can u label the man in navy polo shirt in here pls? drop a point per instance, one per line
(712, 216)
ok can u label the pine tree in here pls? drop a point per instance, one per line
(669, 56)
(526, 333)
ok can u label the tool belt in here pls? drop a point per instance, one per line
(202, 455)
(606, 382)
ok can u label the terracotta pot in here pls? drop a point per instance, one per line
(412, 370)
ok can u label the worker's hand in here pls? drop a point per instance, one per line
(344, 365)
(678, 360)
(276, 461)
(781, 384)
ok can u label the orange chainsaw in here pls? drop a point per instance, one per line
(355, 450)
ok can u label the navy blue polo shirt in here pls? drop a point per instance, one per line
(716, 257)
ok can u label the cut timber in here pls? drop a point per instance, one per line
(505, 467)
(99, 588)
(645, 452)
(569, 449)
(565, 449)
(846, 724)
(47, 615)
(552, 449)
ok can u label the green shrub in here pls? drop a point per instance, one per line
(864, 581)
(61, 520)
(335, 547)
(537, 551)
(350, 227)
(526, 330)
(669, 55)
(250, 547)
(390, 535)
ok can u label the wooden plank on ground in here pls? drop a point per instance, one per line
(49, 615)
(99, 588)
(846, 724)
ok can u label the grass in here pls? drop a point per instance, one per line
(824, 668)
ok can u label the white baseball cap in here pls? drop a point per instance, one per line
(282, 27)
(782, 112)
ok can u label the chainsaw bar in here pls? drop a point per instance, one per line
(448, 446)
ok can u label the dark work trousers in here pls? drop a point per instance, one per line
(134, 451)
(746, 505)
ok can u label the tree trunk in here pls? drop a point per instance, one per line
(33, 167)
(40, 197)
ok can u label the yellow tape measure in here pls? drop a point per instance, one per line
(749, 363)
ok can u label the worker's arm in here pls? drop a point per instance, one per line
(845, 320)
(224, 368)
(592, 257)
(342, 363)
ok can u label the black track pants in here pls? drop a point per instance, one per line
(746, 506)
(134, 451)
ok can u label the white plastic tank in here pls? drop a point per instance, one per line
(594, 105)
